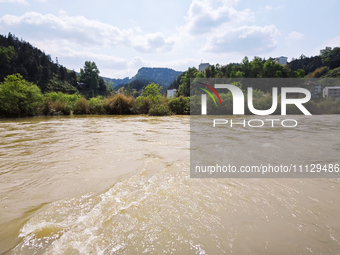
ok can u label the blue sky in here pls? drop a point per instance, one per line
(123, 36)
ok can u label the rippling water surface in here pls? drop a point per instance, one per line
(121, 185)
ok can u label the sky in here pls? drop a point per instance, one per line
(123, 36)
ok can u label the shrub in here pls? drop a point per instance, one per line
(19, 98)
(54, 108)
(195, 105)
(141, 105)
(55, 84)
(97, 105)
(328, 106)
(319, 72)
(335, 73)
(59, 103)
(159, 110)
(180, 105)
(118, 104)
(82, 106)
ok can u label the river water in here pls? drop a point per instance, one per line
(121, 185)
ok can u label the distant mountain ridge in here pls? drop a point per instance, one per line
(162, 76)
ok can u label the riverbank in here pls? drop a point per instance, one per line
(19, 98)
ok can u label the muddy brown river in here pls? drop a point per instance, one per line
(121, 185)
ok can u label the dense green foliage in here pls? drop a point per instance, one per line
(159, 110)
(19, 98)
(59, 103)
(180, 105)
(257, 68)
(18, 56)
(97, 105)
(152, 91)
(335, 73)
(142, 105)
(329, 57)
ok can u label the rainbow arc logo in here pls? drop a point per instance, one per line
(213, 90)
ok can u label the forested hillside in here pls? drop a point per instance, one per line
(146, 75)
(18, 56)
(162, 76)
(328, 58)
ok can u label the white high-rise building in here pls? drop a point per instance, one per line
(333, 92)
(281, 60)
(171, 92)
(203, 66)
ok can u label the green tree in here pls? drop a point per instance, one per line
(331, 57)
(102, 88)
(213, 71)
(272, 69)
(6, 54)
(207, 72)
(19, 98)
(153, 91)
(300, 73)
(326, 54)
(184, 88)
(239, 74)
(256, 67)
(89, 75)
(245, 67)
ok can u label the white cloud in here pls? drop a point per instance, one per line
(223, 29)
(24, 2)
(66, 49)
(83, 31)
(203, 18)
(266, 9)
(246, 39)
(335, 42)
(109, 65)
(211, 26)
(153, 42)
(293, 37)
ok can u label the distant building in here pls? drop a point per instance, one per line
(316, 90)
(171, 92)
(203, 66)
(333, 92)
(281, 60)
